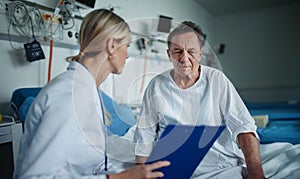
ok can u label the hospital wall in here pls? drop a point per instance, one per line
(262, 56)
(143, 65)
(142, 16)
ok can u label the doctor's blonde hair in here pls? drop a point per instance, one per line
(96, 28)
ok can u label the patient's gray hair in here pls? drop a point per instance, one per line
(185, 27)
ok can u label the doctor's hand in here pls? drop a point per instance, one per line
(142, 171)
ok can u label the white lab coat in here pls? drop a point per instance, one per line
(212, 100)
(64, 132)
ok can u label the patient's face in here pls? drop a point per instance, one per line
(185, 53)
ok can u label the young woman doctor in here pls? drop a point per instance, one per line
(65, 128)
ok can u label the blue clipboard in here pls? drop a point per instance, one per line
(185, 147)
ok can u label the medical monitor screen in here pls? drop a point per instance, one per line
(164, 24)
(85, 3)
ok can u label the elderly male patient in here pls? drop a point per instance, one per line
(193, 94)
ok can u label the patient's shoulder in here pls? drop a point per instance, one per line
(160, 79)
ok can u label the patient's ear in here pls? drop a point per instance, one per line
(111, 45)
(201, 51)
(168, 52)
(201, 54)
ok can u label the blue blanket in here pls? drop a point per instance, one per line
(284, 122)
(286, 130)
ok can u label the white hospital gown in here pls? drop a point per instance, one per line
(212, 100)
(64, 135)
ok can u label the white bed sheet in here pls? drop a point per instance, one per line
(279, 160)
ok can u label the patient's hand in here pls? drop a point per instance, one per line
(142, 171)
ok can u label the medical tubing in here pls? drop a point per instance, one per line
(18, 23)
(50, 60)
(15, 19)
(33, 36)
(56, 11)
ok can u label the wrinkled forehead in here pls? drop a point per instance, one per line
(184, 40)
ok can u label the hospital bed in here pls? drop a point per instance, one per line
(280, 139)
(121, 120)
(283, 124)
(283, 121)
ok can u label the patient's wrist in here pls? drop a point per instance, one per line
(140, 159)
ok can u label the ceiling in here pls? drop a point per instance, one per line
(226, 7)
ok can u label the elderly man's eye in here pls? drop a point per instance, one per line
(177, 51)
(191, 51)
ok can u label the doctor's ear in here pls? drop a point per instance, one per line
(111, 45)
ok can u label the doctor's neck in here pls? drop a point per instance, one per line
(97, 66)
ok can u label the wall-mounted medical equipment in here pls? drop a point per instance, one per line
(34, 51)
(164, 24)
(56, 19)
(85, 3)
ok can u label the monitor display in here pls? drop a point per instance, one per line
(85, 3)
(164, 24)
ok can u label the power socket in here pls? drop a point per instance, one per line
(4, 5)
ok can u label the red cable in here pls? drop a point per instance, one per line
(50, 60)
(50, 53)
(61, 2)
